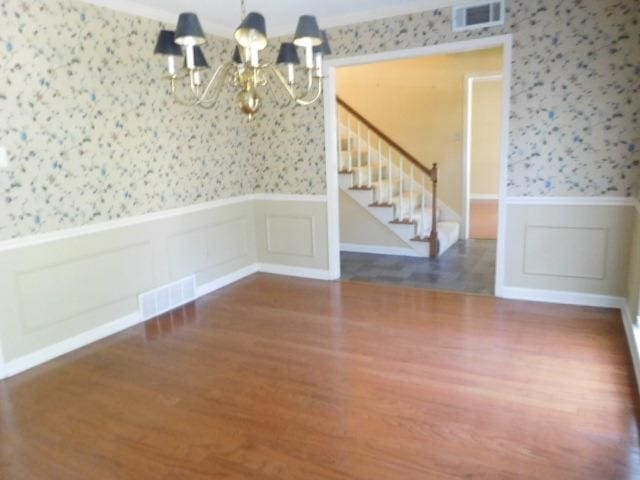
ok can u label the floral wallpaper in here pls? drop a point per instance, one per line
(575, 98)
(90, 129)
(92, 134)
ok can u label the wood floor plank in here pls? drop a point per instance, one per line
(283, 378)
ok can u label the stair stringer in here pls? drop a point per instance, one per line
(384, 215)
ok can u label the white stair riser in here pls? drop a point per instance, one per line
(404, 230)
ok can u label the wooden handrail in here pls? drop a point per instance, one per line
(430, 172)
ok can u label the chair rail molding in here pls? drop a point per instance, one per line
(71, 232)
(577, 201)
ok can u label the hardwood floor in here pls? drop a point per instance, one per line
(483, 219)
(281, 378)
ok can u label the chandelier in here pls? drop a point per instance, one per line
(194, 83)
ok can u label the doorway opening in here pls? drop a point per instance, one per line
(419, 153)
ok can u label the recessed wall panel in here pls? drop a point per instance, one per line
(290, 235)
(568, 248)
(208, 247)
(55, 293)
(565, 251)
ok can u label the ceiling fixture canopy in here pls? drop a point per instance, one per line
(245, 72)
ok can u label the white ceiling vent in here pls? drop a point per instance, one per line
(472, 15)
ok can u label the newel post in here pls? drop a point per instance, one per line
(434, 245)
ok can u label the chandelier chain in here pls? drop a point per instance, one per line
(243, 9)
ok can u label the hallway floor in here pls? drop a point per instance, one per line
(468, 266)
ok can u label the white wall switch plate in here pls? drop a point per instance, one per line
(4, 159)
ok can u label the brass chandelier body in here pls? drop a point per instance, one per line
(193, 83)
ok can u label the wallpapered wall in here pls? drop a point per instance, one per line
(574, 105)
(90, 129)
(93, 135)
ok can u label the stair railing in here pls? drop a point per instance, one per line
(425, 173)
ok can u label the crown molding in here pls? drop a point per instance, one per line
(165, 16)
(275, 30)
(366, 15)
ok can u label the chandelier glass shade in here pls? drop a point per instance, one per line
(194, 83)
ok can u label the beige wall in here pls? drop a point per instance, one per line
(568, 248)
(420, 104)
(359, 227)
(102, 139)
(633, 280)
(56, 290)
(486, 123)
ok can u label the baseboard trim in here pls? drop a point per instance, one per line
(46, 354)
(560, 296)
(303, 272)
(377, 249)
(227, 279)
(483, 196)
(632, 331)
(43, 355)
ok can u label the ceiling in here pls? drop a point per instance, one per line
(221, 17)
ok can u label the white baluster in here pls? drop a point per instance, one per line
(423, 227)
(411, 204)
(359, 157)
(340, 133)
(379, 170)
(369, 157)
(349, 143)
(401, 188)
(390, 175)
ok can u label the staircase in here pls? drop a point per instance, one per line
(393, 185)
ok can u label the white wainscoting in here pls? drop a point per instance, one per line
(56, 288)
(586, 259)
(566, 250)
(292, 235)
(299, 239)
(63, 290)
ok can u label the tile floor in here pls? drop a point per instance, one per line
(468, 266)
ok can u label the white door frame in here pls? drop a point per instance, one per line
(331, 137)
(3, 372)
(469, 80)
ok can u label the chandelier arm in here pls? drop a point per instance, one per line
(198, 98)
(310, 78)
(302, 101)
(222, 68)
(289, 88)
(176, 96)
(194, 88)
(213, 99)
